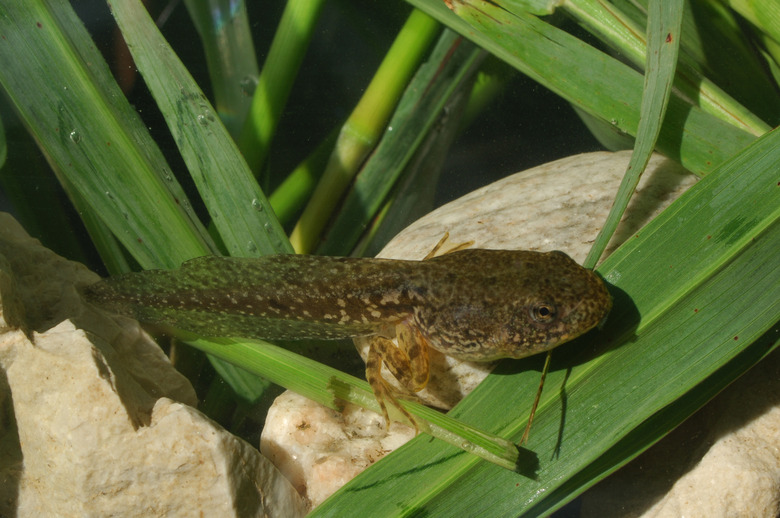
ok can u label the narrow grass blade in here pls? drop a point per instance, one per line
(93, 139)
(712, 29)
(626, 35)
(279, 71)
(240, 211)
(290, 197)
(764, 15)
(95, 142)
(415, 193)
(664, 22)
(223, 26)
(331, 387)
(238, 208)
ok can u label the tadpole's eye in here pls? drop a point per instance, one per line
(543, 312)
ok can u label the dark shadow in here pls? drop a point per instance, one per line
(670, 139)
(527, 463)
(561, 426)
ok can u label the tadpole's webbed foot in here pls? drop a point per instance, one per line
(439, 251)
(382, 390)
(408, 363)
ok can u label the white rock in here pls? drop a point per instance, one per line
(319, 450)
(560, 205)
(94, 421)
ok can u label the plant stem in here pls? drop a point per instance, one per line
(230, 55)
(279, 71)
(365, 125)
(293, 192)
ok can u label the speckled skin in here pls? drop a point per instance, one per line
(476, 305)
(490, 304)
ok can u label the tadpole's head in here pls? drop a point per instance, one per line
(525, 303)
(568, 301)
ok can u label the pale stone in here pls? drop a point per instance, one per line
(94, 421)
(319, 449)
(560, 205)
(556, 206)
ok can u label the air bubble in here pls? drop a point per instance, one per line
(248, 85)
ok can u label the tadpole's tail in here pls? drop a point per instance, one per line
(105, 295)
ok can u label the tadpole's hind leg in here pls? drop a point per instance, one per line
(435, 252)
(382, 391)
(408, 363)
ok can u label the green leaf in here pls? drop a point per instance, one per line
(364, 126)
(275, 82)
(414, 195)
(621, 26)
(591, 80)
(697, 301)
(664, 21)
(92, 138)
(238, 208)
(537, 7)
(765, 16)
(332, 388)
(289, 198)
(60, 86)
(223, 26)
(106, 160)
